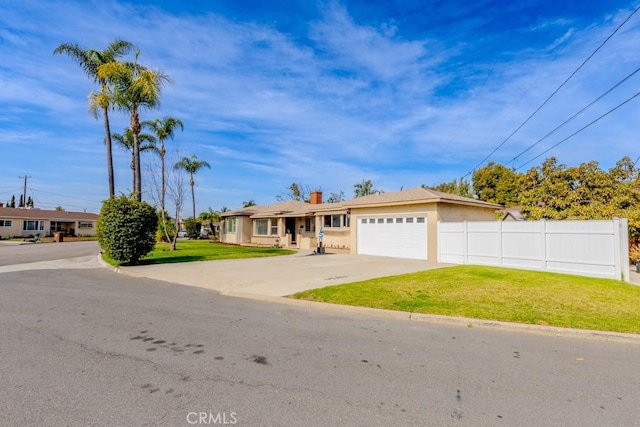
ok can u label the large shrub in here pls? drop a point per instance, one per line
(126, 229)
(192, 227)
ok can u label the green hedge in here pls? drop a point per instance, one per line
(126, 229)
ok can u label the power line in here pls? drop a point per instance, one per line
(62, 195)
(579, 130)
(554, 92)
(576, 114)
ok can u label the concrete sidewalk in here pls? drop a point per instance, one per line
(279, 276)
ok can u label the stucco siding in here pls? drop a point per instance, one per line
(455, 213)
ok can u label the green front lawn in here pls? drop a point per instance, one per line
(204, 250)
(498, 294)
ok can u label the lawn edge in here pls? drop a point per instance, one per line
(469, 323)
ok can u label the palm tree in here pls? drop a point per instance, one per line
(192, 165)
(135, 87)
(163, 129)
(90, 60)
(147, 143)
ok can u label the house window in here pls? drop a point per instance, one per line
(274, 226)
(389, 220)
(262, 225)
(372, 221)
(33, 225)
(363, 220)
(230, 225)
(420, 219)
(85, 224)
(6, 223)
(380, 220)
(337, 221)
(56, 226)
(309, 224)
(399, 220)
(409, 220)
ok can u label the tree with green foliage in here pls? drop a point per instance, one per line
(192, 227)
(192, 165)
(555, 191)
(134, 88)
(460, 187)
(336, 197)
(12, 203)
(126, 229)
(248, 203)
(90, 60)
(364, 188)
(209, 218)
(21, 202)
(29, 202)
(495, 183)
(163, 129)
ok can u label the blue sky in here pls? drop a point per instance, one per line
(322, 93)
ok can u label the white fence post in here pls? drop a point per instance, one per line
(499, 236)
(621, 242)
(543, 240)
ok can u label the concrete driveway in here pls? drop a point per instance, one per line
(279, 276)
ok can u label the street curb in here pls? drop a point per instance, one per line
(105, 264)
(449, 320)
(420, 317)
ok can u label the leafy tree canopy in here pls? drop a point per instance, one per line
(336, 197)
(460, 187)
(496, 183)
(364, 188)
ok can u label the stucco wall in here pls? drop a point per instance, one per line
(14, 230)
(243, 231)
(455, 213)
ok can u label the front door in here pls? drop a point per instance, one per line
(290, 224)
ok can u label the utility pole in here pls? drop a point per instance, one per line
(24, 191)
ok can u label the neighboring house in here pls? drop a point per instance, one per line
(399, 224)
(21, 222)
(511, 214)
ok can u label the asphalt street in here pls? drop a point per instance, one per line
(91, 347)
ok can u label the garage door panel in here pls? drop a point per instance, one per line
(396, 238)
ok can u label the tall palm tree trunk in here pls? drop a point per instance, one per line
(193, 196)
(135, 130)
(107, 142)
(164, 179)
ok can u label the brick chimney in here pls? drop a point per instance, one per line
(316, 197)
(1, 204)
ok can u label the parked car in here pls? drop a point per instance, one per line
(182, 233)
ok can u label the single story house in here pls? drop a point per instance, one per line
(25, 222)
(399, 224)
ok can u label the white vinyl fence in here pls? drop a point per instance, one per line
(587, 248)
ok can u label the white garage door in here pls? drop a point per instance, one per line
(399, 236)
